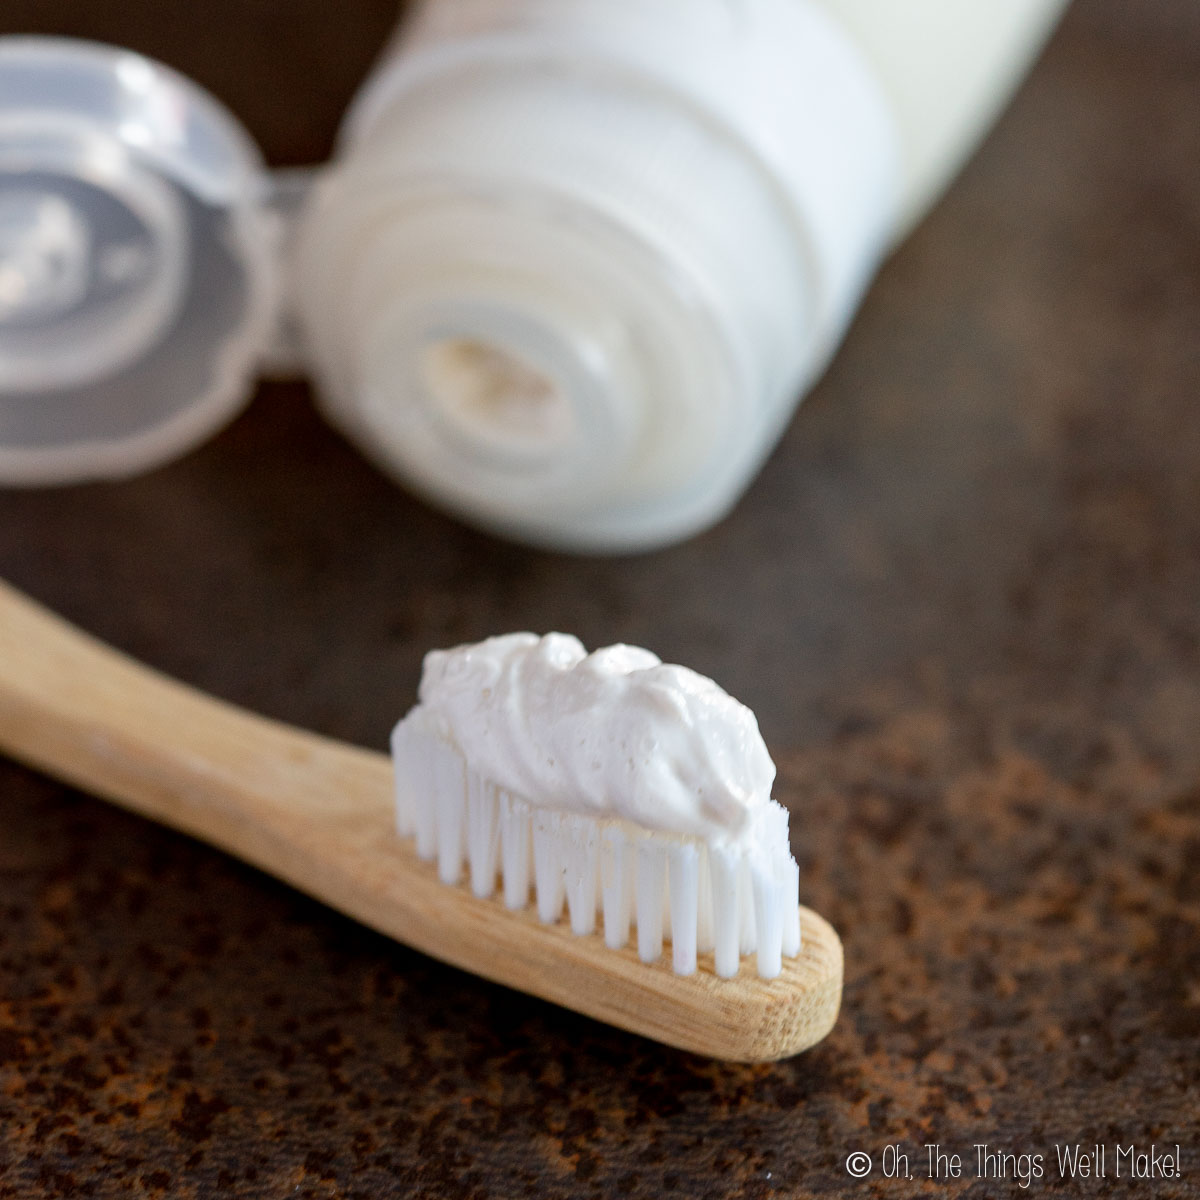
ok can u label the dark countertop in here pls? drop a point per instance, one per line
(962, 598)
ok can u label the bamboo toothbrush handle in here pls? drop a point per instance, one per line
(318, 814)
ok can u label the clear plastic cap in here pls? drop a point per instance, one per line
(137, 262)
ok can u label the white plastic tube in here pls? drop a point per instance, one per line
(948, 68)
(579, 259)
(570, 274)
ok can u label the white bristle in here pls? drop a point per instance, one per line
(580, 853)
(704, 902)
(685, 888)
(746, 939)
(651, 885)
(548, 865)
(514, 850)
(768, 913)
(423, 770)
(725, 869)
(405, 818)
(790, 887)
(733, 901)
(666, 900)
(483, 834)
(616, 887)
(451, 818)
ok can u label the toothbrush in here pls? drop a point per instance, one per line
(322, 816)
(622, 785)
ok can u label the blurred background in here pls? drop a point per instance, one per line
(962, 599)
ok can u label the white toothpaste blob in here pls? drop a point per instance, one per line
(635, 793)
(616, 734)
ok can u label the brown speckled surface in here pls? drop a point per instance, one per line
(963, 599)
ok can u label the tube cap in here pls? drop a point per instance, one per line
(137, 262)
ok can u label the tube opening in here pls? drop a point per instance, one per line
(500, 401)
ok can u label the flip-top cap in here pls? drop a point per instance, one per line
(137, 262)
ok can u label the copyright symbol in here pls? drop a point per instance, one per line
(859, 1164)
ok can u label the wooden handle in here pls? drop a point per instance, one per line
(318, 814)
